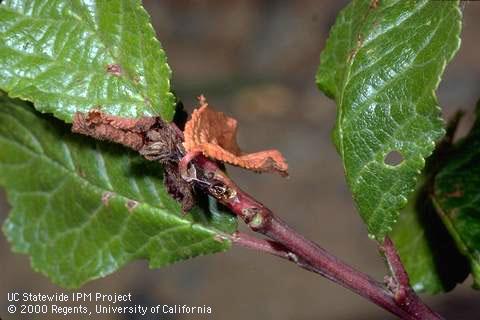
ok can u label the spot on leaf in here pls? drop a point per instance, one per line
(214, 134)
(114, 69)
(393, 158)
(106, 197)
(131, 205)
(456, 193)
(374, 4)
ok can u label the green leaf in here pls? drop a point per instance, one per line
(427, 250)
(83, 209)
(457, 197)
(382, 64)
(69, 56)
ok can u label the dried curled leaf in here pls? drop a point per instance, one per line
(102, 126)
(153, 138)
(214, 134)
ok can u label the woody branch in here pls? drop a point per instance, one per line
(398, 298)
(159, 141)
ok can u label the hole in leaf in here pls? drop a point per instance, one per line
(393, 158)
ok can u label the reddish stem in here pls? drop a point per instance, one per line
(399, 284)
(288, 243)
(262, 245)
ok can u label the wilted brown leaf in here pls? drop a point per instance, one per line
(102, 126)
(214, 134)
(153, 138)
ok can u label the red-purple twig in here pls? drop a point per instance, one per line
(262, 245)
(268, 246)
(399, 284)
(208, 177)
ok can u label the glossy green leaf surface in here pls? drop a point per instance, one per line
(457, 197)
(68, 56)
(428, 252)
(82, 209)
(382, 64)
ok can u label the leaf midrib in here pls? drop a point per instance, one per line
(97, 35)
(471, 253)
(347, 79)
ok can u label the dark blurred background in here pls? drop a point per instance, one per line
(256, 61)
